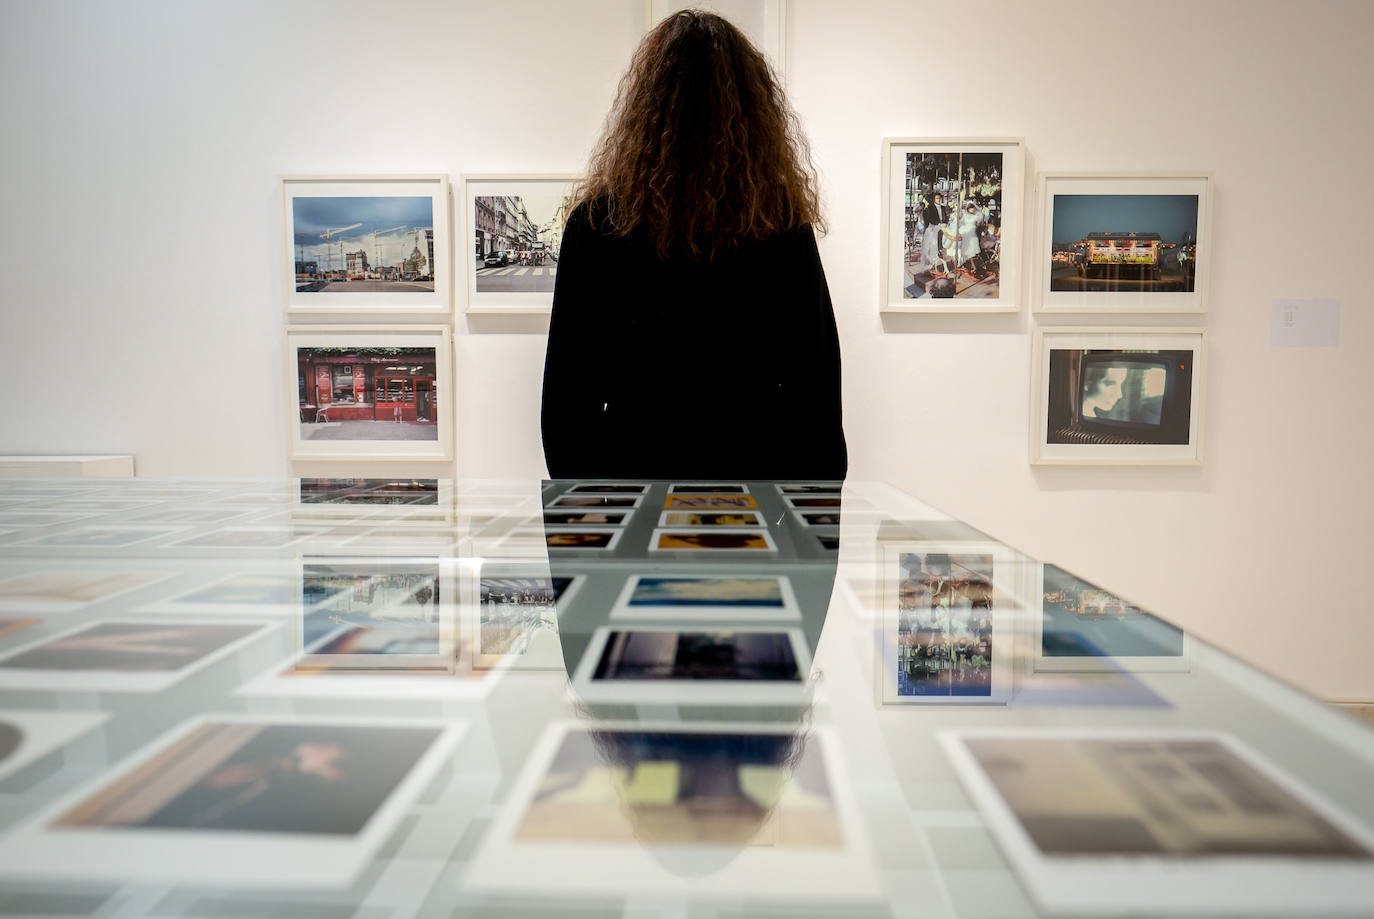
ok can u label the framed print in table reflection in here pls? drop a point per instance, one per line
(952, 225)
(1118, 397)
(367, 244)
(1082, 628)
(365, 393)
(1116, 243)
(282, 801)
(1102, 822)
(512, 229)
(947, 635)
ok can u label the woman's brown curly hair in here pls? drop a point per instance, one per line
(701, 149)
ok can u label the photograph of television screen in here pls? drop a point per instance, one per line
(1119, 396)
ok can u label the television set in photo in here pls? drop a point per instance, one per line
(1119, 397)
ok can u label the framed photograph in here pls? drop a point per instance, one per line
(952, 225)
(764, 22)
(124, 655)
(1152, 822)
(1083, 628)
(712, 539)
(947, 635)
(376, 614)
(513, 611)
(757, 598)
(367, 244)
(277, 801)
(1118, 396)
(672, 664)
(512, 228)
(28, 736)
(1123, 243)
(363, 393)
(649, 809)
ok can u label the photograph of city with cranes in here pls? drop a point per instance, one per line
(363, 244)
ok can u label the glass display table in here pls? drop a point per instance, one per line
(320, 698)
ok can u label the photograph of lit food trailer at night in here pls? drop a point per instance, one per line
(1124, 242)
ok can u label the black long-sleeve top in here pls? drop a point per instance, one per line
(680, 368)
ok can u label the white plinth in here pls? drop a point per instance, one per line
(66, 466)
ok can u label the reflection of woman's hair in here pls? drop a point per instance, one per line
(700, 148)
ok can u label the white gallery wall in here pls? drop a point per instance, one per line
(140, 303)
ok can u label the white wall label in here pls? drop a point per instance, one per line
(1306, 324)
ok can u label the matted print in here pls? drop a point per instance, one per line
(397, 500)
(679, 597)
(417, 540)
(512, 230)
(711, 519)
(947, 625)
(1124, 243)
(597, 501)
(123, 655)
(1118, 396)
(101, 537)
(12, 626)
(818, 518)
(1118, 822)
(1082, 627)
(573, 518)
(812, 502)
(228, 800)
(766, 812)
(367, 244)
(708, 488)
(952, 224)
(514, 616)
(27, 736)
(608, 488)
(710, 502)
(704, 539)
(357, 392)
(248, 537)
(66, 591)
(376, 614)
(676, 665)
(604, 538)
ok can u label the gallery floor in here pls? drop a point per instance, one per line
(377, 698)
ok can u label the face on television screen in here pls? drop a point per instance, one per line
(1123, 390)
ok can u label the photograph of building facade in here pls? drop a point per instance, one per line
(346, 393)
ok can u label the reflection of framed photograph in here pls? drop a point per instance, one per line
(362, 393)
(512, 610)
(366, 244)
(681, 597)
(512, 228)
(952, 225)
(124, 655)
(647, 810)
(1082, 627)
(674, 664)
(275, 801)
(27, 736)
(1114, 243)
(762, 21)
(1118, 396)
(1107, 823)
(396, 500)
(947, 624)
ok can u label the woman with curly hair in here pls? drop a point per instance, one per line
(692, 333)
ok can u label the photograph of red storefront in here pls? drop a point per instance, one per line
(367, 393)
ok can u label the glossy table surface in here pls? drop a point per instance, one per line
(324, 698)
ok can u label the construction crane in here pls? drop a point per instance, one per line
(376, 246)
(328, 236)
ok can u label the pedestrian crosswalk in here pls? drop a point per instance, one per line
(517, 272)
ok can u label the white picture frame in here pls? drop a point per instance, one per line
(996, 564)
(307, 208)
(1163, 275)
(908, 287)
(300, 410)
(763, 22)
(1100, 881)
(538, 647)
(703, 607)
(512, 288)
(219, 858)
(1070, 425)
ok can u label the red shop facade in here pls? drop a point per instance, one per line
(367, 384)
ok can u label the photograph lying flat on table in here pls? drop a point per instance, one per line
(952, 224)
(512, 228)
(757, 598)
(1123, 243)
(1118, 396)
(228, 800)
(367, 244)
(1114, 823)
(360, 393)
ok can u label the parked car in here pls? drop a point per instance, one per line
(495, 260)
